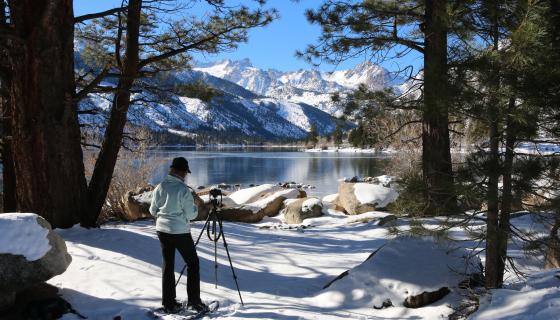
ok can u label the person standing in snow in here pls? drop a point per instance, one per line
(173, 207)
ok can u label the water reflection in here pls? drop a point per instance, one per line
(272, 166)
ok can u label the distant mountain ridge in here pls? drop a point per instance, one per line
(306, 86)
(262, 104)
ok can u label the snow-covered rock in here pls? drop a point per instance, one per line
(297, 211)
(253, 204)
(137, 203)
(249, 195)
(405, 267)
(373, 194)
(358, 198)
(30, 253)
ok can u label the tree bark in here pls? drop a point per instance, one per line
(492, 214)
(507, 195)
(105, 164)
(46, 135)
(8, 176)
(436, 153)
(493, 172)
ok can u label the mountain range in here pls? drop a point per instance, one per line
(264, 104)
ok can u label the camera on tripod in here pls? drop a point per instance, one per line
(214, 194)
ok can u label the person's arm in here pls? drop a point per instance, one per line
(189, 208)
(154, 206)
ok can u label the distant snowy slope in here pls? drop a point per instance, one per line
(235, 111)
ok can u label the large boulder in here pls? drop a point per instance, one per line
(331, 201)
(137, 203)
(407, 272)
(357, 198)
(298, 210)
(30, 253)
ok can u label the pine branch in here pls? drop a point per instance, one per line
(85, 17)
(92, 85)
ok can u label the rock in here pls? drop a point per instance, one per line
(201, 207)
(379, 218)
(301, 209)
(357, 198)
(386, 219)
(267, 203)
(18, 273)
(425, 298)
(403, 271)
(348, 201)
(239, 214)
(137, 203)
(331, 200)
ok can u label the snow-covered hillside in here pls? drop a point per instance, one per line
(307, 86)
(266, 104)
(234, 111)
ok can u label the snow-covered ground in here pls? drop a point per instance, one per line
(281, 270)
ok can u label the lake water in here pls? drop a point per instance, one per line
(272, 165)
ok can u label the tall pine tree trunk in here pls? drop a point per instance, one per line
(8, 175)
(492, 264)
(507, 195)
(47, 154)
(436, 154)
(107, 159)
(492, 214)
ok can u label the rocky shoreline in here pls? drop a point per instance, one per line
(286, 199)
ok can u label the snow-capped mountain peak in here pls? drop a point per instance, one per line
(303, 86)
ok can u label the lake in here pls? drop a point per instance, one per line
(246, 166)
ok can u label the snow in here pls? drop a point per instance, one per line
(248, 195)
(21, 234)
(381, 196)
(331, 198)
(262, 203)
(145, 197)
(538, 299)
(403, 267)
(308, 204)
(281, 271)
(116, 269)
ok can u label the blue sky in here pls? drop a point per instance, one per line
(273, 46)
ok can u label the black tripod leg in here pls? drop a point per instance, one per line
(230, 263)
(215, 257)
(195, 244)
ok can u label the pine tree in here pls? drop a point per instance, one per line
(338, 135)
(313, 136)
(498, 80)
(381, 29)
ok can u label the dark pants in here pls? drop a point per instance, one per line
(184, 243)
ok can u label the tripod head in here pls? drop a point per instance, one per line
(214, 194)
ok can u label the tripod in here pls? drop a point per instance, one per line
(215, 231)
